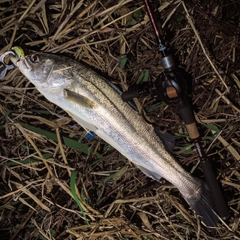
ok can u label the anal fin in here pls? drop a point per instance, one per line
(150, 173)
(86, 125)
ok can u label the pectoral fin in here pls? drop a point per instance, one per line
(86, 125)
(79, 99)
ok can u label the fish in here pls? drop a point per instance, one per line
(93, 103)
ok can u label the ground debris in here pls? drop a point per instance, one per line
(42, 148)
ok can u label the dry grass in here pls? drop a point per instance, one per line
(41, 147)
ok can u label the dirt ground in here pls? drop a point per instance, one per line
(113, 199)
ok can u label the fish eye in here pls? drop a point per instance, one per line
(34, 58)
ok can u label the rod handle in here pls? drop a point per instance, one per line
(216, 193)
(218, 199)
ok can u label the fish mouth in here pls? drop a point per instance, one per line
(25, 63)
(14, 59)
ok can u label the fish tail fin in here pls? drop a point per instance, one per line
(204, 208)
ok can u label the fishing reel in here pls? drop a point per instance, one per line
(169, 87)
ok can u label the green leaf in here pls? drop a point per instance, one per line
(66, 141)
(109, 177)
(186, 148)
(144, 76)
(156, 106)
(180, 17)
(212, 127)
(210, 138)
(123, 62)
(73, 190)
(138, 15)
(5, 115)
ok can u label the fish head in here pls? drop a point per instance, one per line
(46, 71)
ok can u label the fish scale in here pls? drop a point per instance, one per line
(97, 107)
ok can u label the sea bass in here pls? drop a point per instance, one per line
(98, 108)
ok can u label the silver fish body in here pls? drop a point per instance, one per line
(97, 107)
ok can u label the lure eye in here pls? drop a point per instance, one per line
(34, 58)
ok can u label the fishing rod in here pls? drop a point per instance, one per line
(169, 88)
